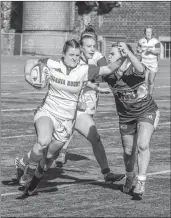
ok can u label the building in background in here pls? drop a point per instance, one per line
(46, 25)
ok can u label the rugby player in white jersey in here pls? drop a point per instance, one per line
(89, 98)
(138, 114)
(149, 49)
(87, 107)
(54, 118)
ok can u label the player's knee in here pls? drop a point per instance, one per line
(128, 150)
(50, 155)
(94, 139)
(44, 141)
(142, 147)
(37, 150)
(92, 135)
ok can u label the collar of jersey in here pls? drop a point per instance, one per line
(82, 58)
(68, 69)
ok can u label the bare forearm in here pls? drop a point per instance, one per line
(135, 61)
(92, 86)
(156, 51)
(111, 68)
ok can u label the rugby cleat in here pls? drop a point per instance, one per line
(139, 188)
(128, 184)
(27, 176)
(111, 177)
(32, 186)
(20, 168)
(61, 160)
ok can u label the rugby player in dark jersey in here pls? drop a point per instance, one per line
(138, 114)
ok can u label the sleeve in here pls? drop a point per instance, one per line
(92, 72)
(50, 63)
(102, 62)
(157, 45)
(137, 73)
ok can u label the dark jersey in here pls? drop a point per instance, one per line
(131, 94)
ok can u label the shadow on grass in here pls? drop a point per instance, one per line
(54, 173)
(134, 196)
(75, 157)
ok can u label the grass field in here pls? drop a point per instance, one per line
(79, 190)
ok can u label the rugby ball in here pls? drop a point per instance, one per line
(40, 74)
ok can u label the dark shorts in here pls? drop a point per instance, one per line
(130, 128)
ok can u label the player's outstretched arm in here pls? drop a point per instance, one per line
(111, 68)
(98, 89)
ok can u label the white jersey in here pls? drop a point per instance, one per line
(64, 88)
(150, 60)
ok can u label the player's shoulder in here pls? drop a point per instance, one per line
(55, 64)
(155, 40)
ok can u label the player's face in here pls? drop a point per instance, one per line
(114, 54)
(72, 57)
(88, 47)
(148, 33)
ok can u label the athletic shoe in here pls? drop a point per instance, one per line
(32, 186)
(128, 184)
(27, 176)
(20, 168)
(61, 160)
(111, 177)
(139, 188)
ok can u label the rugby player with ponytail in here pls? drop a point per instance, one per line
(137, 111)
(55, 118)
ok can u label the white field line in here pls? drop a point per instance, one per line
(107, 104)
(82, 183)
(106, 129)
(22, 93)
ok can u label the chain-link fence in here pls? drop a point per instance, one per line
(34, 44)
(52, 44)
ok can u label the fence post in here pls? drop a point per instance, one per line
(66, 36)
(21, 45)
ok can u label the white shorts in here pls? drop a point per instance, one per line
(91, 99)
(62, 128)
(152, 67)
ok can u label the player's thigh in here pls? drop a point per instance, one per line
(44, 128)
(144, 134)
(129, 144)
(91, 99)
(152, 76)
(86, 126)
(128, 136)
(147, 124)
(54, 148)
(147, 76)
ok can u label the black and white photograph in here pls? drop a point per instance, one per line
(85, 108)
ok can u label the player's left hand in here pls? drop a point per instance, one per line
(123, 48)
(148, 51)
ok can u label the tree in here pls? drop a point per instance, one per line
(85, 9)
(6, 15)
